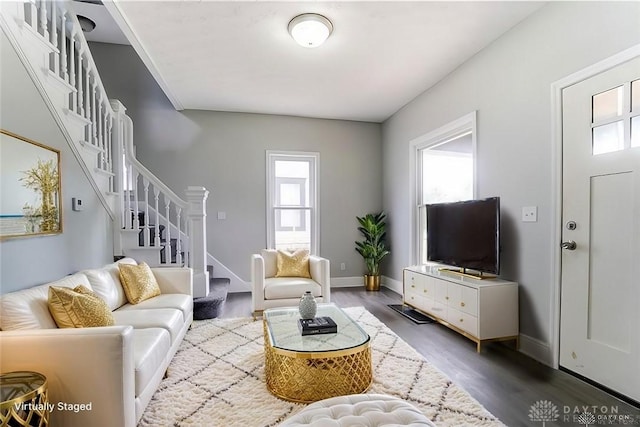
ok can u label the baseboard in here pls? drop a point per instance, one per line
(236, 283)
(393, 284)
(346, 282)
(239, 285)
(536, 349)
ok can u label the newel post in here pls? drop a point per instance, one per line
(197, 216)
(117, 151)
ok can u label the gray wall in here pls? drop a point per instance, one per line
(86, 240)
(225, 152)
(509, 84)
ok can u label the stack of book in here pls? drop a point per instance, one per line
(317, 325)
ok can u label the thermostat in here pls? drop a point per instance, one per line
(76, 204)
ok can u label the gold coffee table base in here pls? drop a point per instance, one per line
(309, 377)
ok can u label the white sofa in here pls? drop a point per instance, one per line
(268, 291)
(117, 368)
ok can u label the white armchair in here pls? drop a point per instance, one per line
(268, 291)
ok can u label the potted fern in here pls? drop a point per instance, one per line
(373, 248)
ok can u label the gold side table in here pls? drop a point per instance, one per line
(24, 399)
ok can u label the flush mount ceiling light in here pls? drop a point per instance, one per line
(310, 29)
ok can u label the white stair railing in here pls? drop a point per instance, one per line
(74, 92)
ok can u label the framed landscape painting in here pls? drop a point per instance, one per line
(29, 188)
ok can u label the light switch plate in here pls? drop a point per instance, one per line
(222, 215)
(530, 214)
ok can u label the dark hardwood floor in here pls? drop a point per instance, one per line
(505, 381)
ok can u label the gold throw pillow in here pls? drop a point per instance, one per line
(293, 264)
(138, 282)
(78, 308)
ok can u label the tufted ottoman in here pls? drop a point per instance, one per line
(371, 410)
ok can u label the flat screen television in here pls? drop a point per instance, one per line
(465, 234)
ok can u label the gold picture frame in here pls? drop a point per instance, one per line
(30, 188)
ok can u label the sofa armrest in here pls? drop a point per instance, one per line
(257, 283)
(320, 272)
(83, 366)
(174, 280)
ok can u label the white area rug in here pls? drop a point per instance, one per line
(217, 379)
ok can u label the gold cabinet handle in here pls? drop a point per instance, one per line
(413, 286)
(425, 291)
(461, 304)
(446, 297)
(461, 320)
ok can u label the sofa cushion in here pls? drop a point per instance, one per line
(106, 284)
(78, 308)
(270, 257)
(182, 302)
(28, 308)
(294, 264)
(290, 287)
(138, 282)
(165, 318)
(150, 348)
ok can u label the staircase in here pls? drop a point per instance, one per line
(151, 222)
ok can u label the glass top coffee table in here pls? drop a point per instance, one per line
(315, 367)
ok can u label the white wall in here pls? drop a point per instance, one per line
(509, 83)
(86, 240)
(225, 152)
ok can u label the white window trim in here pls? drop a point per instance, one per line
(314, 193)
(443, 134)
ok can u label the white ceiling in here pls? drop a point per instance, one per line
(238, 55)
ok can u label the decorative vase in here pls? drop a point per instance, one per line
(372, 283)
(308, 306)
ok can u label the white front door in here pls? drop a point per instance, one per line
(600, 300)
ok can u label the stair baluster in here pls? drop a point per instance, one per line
(79, 84)
(167, 218)
(146, 237)
(136, 220)
(156, 196)
(63, 48)
(87, 98)
(110, 152)
(127, 192)
(72, 68)
(99, 133)
(54, 59)
(43, 19)
(94, 112)
(178, 244)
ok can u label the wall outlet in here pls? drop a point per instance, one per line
(530, 214)
(343, 266)
(222, 215)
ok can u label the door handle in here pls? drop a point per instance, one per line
(569, 245)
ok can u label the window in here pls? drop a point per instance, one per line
(292, 200)
(616, 119)
(443, 171)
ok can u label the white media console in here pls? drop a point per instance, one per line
(481, 310)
